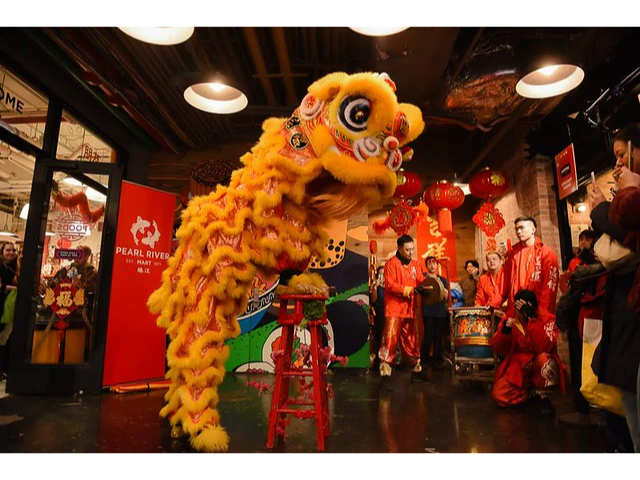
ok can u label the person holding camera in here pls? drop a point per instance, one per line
(530, 365)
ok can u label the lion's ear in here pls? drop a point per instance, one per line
(414, 117)
(328, 86)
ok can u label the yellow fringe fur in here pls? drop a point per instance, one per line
(264, 219)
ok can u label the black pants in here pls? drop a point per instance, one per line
(575, 360)
(434, 328)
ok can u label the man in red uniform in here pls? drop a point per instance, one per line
(401, 277)
(531, 265)
(530, 364)
(490, 289)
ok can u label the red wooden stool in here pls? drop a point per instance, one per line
(284, 372)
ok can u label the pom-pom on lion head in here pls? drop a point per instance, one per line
(357, 130)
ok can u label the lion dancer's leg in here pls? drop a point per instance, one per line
(205, 287)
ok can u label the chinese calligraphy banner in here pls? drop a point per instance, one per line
(441, 245)
(135, 347)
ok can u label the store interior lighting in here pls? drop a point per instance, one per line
(378, 31)
(216, 97)
(550, 81)
(160, 35)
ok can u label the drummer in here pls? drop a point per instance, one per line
(491, 284)
(434, 313)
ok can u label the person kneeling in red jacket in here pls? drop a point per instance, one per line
(530, 365)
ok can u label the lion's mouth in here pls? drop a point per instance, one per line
(331, 198)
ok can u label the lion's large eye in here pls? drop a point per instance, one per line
(354, 113)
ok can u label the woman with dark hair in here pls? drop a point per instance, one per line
(9, 270)
(619, 357)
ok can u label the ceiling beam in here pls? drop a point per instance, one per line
(251, 38)
(285, 65)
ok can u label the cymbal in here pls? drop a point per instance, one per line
(433, 293)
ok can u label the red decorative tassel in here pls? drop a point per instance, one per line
(80, 200)
(381, 226)
(445, 223)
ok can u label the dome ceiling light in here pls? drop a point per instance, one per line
(550, 81)
(216, 97)
(378, 31)
(159, 35)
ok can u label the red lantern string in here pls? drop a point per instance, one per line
(80, 201)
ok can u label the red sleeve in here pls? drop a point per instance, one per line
(549, 284)
(543, 335)
(502, 342)
(481, 296)
(624, 208)
(393, 278)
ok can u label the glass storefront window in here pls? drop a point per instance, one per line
(76, 142)
(65, 309)
(16, 176)
(23, 110)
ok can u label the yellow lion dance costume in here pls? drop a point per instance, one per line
(337, 153)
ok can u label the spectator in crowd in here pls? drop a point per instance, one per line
(435, 317)
(470, 282)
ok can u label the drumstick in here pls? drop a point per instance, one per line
(630, 157)
(593, 177)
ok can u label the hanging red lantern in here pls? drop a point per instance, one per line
(444, 197)
(409, 185)
(488, 184)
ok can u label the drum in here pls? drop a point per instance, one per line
(472, 330)
(433, 293)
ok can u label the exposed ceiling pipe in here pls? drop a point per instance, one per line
(467, 53)
(258, 62)
(495, 139)
(285, 64)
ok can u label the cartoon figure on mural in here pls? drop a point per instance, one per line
(339, 154)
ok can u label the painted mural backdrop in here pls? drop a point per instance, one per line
(348, 329)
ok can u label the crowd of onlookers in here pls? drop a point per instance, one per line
(602, 283)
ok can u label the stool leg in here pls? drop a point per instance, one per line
(279, 393)
(318, 384)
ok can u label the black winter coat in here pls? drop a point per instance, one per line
(619, 356)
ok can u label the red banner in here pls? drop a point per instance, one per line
(433, 242)
(135, 347)
(566, 172)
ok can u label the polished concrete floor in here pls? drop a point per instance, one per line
(434, 417)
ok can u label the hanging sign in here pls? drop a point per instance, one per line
(566, 172)
(135, 349)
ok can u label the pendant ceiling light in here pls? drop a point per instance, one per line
(24, 213)
(159, 35)
(378, 31)
(217, 95)
(549, 67)
(550, 81)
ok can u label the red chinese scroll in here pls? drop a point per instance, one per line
(433, 242)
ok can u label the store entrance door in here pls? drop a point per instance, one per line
(63, 293)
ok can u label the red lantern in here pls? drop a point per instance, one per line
(409, 185)
(488, 183)
(444, 197)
